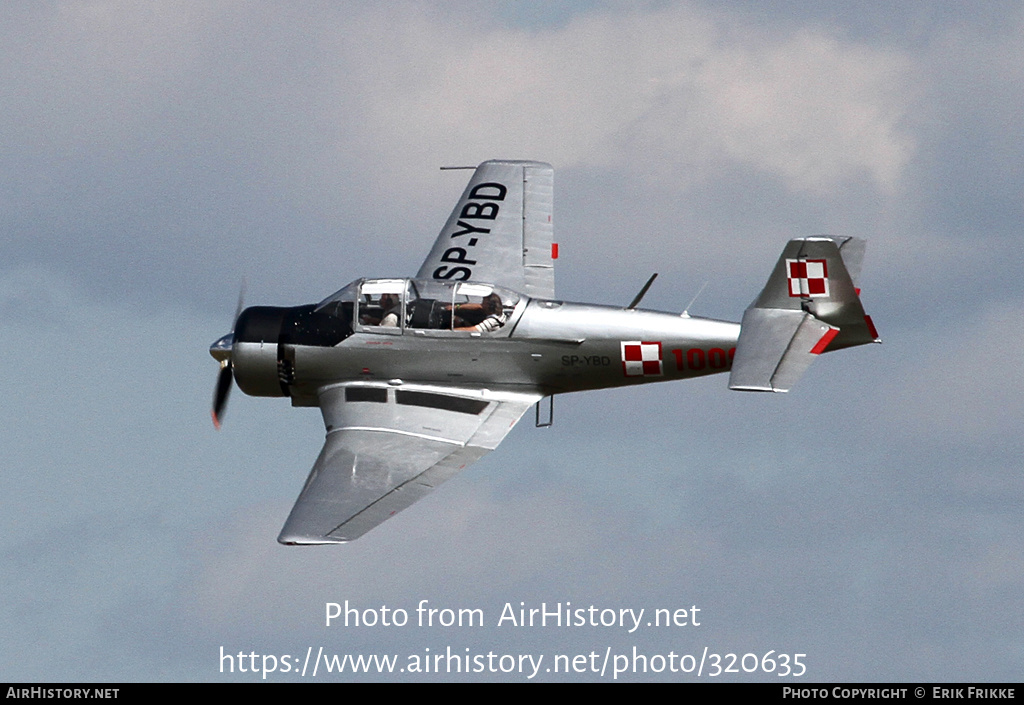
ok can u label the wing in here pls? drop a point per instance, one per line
(387, 447)
(500, 231)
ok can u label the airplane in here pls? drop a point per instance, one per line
(418, 377)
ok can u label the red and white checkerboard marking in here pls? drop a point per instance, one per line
(641, 359)
(807, 277)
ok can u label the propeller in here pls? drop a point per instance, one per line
(221, 351)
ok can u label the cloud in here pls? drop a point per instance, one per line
(627, 89)
(197, 137)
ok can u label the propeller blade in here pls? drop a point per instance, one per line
(238, 308)
(221, 351)
(220, 396)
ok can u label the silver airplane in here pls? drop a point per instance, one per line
(417, 378)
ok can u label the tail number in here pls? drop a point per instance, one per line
(700, 359)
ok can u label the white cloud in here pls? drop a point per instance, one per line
(631, 89)
(624, 88)
(82, 75)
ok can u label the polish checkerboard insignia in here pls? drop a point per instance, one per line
(641, 359)
(807, 277)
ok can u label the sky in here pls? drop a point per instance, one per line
(154, 155)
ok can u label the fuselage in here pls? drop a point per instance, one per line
(544, 346)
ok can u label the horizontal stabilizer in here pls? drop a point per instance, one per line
(775, 348)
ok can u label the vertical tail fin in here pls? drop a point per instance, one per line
(810, 305)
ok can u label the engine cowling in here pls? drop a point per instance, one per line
(257, 351)
(260, 358)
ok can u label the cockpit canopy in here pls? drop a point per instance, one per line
(391, 306)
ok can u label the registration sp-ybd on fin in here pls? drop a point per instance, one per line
(418, 377)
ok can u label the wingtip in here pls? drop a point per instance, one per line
(307, 541)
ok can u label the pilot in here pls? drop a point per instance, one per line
(389, 303)
(494, 314)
